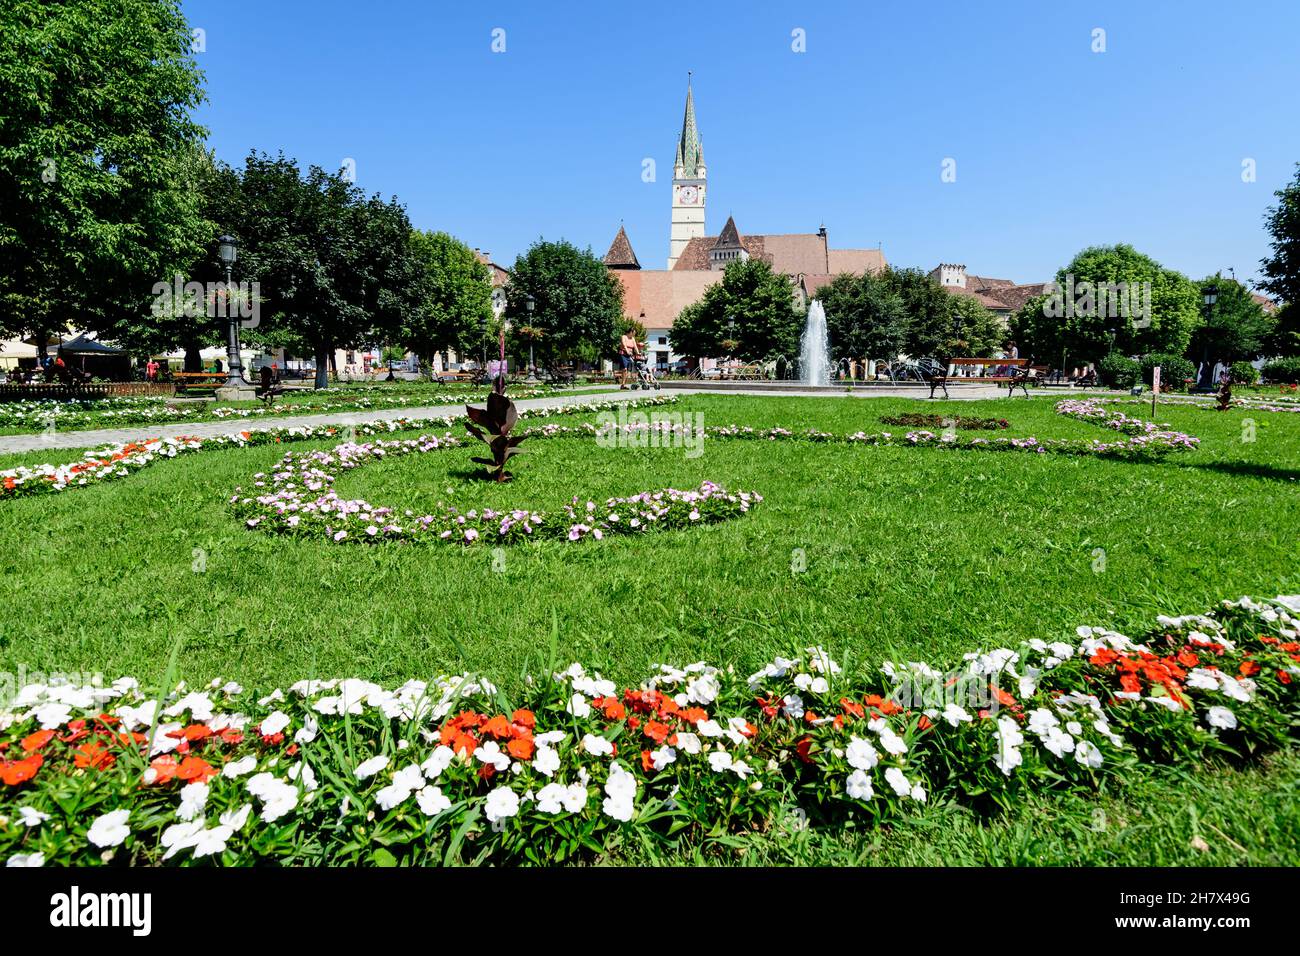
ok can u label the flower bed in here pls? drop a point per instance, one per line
(118, 461)
(297, 498)
(346, 771)
(964, 422)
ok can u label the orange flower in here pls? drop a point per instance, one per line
(852, 707)
(804, 749)
(524, 718)
(1248, 668)
(195, 769)
(20, 771)
(37, 740)
(647, 762)
(1130, 684)
(1003, 698)
(93, 755)
(464, 743)
(498, 727)
(656, 731)
(196, 732)
(520, 748)
(164, 768)
(693, 715)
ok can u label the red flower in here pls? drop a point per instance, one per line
(20, 771)
(524, 718)
(852, 707)
(164, 768)
(1248, 668)
(520, 748)
(804, 749)
(1130, 684)
(657, 731)
(93, 755)
(498, 727)
(37, 740)
(647, 762)
(195, 769)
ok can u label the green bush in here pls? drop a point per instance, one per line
(1174, 371)
(1283, 371)
(1243, 373)
(1119, 371)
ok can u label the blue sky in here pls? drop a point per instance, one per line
(1056, 147)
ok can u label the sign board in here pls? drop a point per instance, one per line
(1155, 387)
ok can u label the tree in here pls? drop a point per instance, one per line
(336, 269)
(95, 204)
(940, 323)
(457, 296)
(865, 319)
(577, 303)
(750, 314)
(1110, 298)
(1282, 269)
(1236, 327)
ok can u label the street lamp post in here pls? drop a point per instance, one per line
(1205, 380)
(482, 337)
(227, 249)
(529, 305)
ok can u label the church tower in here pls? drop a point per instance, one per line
(688, 185)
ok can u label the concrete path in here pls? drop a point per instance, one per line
(12, 444)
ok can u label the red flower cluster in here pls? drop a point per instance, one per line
(464, 732)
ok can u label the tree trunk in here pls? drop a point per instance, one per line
(322, 367)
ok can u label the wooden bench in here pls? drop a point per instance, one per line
(198, 380)
(940, 378)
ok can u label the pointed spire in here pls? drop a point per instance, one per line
(690, 151)
(729, 238)
(620, 255)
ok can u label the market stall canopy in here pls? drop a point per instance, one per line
(84, 346)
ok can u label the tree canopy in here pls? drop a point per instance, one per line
(941, 323)
(865, 318)
(750, 314)
(96, 197)
(456, 303)
(1235, 329)
(577, 303)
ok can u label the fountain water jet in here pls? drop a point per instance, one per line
(814, 352)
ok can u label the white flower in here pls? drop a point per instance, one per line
(792, 705)
(578, 706)
(1087, 754)
(212, 840)
(1042, 720)
(391, 796)
(1219, 717)
(235, 819)
(546, 760)
(896, 779)
(892, 743)
(861, 754)
(550, 799)
(597, 746)
(720, 760)
(432, 801)
(918, 793)
(26, 859)
(372, 766)
(620, 790)
(411, 777)
(688, 742)
(491, 752)
(237, 768)
(110, 829)
(180, 836)
(501, 803)
(955, 714)
(662, 757)
(575, 797)
(1168, 703)
(437, 762)
(1009, 740)
(31, 817)
(193, 798)
(1058, 741)
(275, 722)
(858, 786)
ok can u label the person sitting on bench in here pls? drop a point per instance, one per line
(270, 384)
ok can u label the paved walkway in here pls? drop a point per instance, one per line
(110, 436)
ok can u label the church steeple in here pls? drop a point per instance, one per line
(688, 184)
(690, 151)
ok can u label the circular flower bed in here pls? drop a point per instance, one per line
(346, 771)
(297, 498)
(964, 422)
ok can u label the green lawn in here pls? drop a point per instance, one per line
(914, 553)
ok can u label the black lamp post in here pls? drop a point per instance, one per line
(529, 305)
(228, 249)
(482, 336)
(1205, 381)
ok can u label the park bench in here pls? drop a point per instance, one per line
(185, 381)
(940, 376)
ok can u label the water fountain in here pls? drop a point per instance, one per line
(814, 354)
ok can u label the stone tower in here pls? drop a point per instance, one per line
(688, 185)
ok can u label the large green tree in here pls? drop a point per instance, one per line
(457, 296)
(750, 314)
(1281, 270)
(577, 302)
(1110, 297)
(865, 319)
(96, 203)
(1235, 328)
(941, 324)
(336, 268)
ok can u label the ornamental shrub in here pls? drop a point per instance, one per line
(1174, 371)
(1282, 371)
(1243, 373)
(1119, 371)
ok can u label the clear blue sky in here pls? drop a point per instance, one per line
(1056, 147)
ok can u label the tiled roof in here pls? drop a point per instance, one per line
(729, 238)
(1000, 295)
(695, 257)
(1265, 303)
(620, 255)
(856, 261)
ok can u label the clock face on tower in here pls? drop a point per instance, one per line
(688, 195)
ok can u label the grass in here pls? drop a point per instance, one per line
(913, 553)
